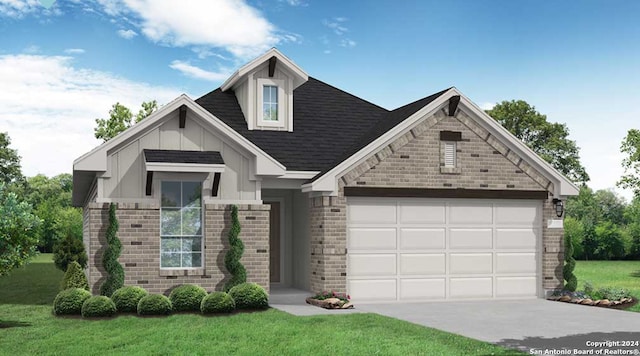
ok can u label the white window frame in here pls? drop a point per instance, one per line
(202, 233)
(282, 110)
(454, 153)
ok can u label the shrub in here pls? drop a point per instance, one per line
(154, 304)
(98, 306)
(233, 256)
(611, 293)
(570, 263)
(126, 299)
(326, 295)
(68, 250)
(217, 302)
(69, 301)
(187, 297)
(115, 273)
(74, 277)
(249, 296)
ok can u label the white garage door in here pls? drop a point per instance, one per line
(428, 249)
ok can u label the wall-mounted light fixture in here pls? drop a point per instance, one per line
(559, 205)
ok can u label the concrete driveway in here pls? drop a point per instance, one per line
(525, 325)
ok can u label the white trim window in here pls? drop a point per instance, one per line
(181, 239)
(271, 108)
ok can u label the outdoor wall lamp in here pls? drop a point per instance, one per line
(559, 205)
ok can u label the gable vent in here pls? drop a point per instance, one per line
(449, 154)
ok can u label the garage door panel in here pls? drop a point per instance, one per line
(372, 265)
(422, 239)
(376, 212)
(516, 286)
(512, 214)
(470, 263)
(372, 238)
(471, 214)
(420, 264)
(516, 238)
(422, 213)
(373, 289)
(417, 289)
(470, 238)
(471, 287)
(516, 262)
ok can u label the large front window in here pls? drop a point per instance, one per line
(181, 225)
(270, 103)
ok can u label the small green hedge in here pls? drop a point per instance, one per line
(187, 297)
(154, 304)
(69, 301)
(74, 277)
(98, 306)
(127, 298)
(217, 302)
(249, 296)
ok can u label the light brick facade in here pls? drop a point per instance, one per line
(139, 233)
(414, 160)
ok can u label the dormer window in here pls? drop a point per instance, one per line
(271, 95)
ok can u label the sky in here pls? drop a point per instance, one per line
(64, 63)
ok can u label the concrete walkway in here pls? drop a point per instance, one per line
(525, 325)
(292, 301)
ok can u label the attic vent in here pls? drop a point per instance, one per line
(449, 154)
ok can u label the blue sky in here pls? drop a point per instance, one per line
(62, 67)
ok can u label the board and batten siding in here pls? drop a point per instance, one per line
(127, 166)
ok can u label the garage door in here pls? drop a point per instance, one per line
(426, 249)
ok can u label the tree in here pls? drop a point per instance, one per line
(74, 277)
(17, 222)
(631, 163)
(570, 264)
(70, 249)
(10, 170)
(574, 231)
(115, 272)
(547, 139)
(120, 119)
(609, 241)
(233, 256)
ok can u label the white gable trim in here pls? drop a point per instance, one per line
(300, 75)
(328, 182)
(96, 159)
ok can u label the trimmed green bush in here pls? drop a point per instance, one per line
(187, 297)
(249, 296)
(126, 299)
(68, 250)
(154, 304)
(69, 301)
(74, 277)
(571, 282)
(98, 307)
(217, 302)
(115, 272)
(233, 256)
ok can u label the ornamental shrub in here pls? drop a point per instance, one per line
(68, 250)
(115, 272)
(154, 304)
(249, 296)
(98, 307)
(126, 299)
(217, 302)
(571, 282)
(69, 301)
(233, 256)
(187, 297)
(74, 277)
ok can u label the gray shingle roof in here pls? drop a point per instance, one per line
(177, 156)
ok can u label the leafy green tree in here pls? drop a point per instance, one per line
(10, 170)
(631, 163)
(115, 272)
(549, 140)
(233, 256)
(67, 250)
(574, 231)
(74, 277)
(609, 241)
(571, 282)
(632, 215)
(120, 119)
(17, 242)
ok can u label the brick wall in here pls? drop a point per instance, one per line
(140, 236)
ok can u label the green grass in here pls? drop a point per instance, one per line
(618, 274)
(27, 327)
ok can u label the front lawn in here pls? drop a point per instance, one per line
(618, 274)
(27, 327)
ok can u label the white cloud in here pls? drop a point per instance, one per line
(127, 34)
(348, 43)
(74, 51)
(19, 8)
(487, 106)
(327, 51)
(49, 107)
(336, 25)
(296, 2)
(199, 73)
(232, 25)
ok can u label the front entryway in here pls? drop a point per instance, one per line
(275, 242)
